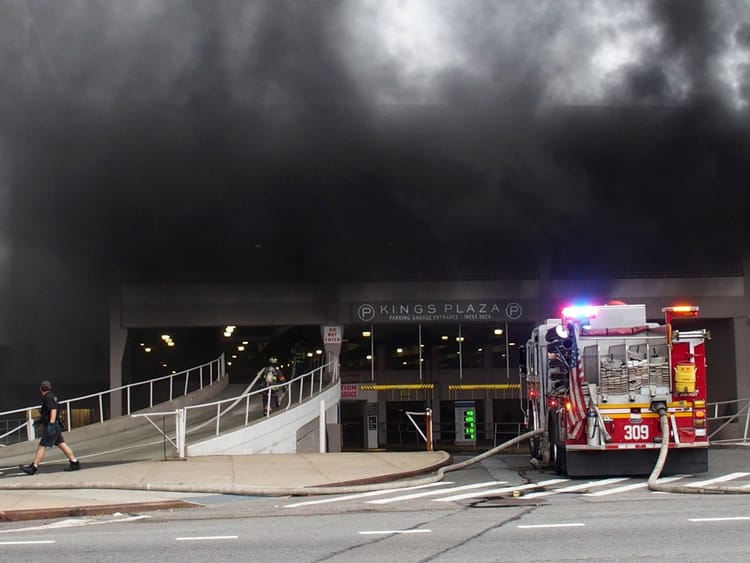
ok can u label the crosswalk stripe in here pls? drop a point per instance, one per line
(364, 495)
(632, 487)
(436, 492)
(721, 479)
(501, 490)
(579, 487)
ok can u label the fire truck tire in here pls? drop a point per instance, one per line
(557, 451)
(535, 448)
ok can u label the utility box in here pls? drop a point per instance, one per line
(466, 423)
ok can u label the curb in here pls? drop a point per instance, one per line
(93, 510)
(393, 476)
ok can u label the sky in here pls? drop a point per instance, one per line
(165, 140)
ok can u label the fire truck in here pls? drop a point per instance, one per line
(597, 380)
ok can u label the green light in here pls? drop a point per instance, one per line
(470, 431)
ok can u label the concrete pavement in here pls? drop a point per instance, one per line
(108, 487)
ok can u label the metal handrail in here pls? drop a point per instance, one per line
(729, 418)
(314, 376)
(216, 370)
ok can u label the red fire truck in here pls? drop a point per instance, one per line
(597, 379)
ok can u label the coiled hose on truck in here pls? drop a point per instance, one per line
(671, 488)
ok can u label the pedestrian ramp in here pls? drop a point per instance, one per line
(303, 421)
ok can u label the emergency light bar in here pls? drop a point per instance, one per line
(579, 312)
(682, 310)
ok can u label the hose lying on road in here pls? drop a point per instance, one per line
(254, 490)
(671, 488)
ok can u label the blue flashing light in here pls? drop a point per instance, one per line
(579, 312)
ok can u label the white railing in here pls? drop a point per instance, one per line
(740, 409)
(137, 396)
(295, 391)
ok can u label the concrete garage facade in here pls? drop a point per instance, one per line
(412, 346)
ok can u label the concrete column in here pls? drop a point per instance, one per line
(742, 356)
(118, 337)
(6, 299)
(741, 328)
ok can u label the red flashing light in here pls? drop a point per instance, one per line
(533, 393)
(552, 403)
(682, 310)
(579, 312)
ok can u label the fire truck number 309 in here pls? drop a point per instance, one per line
(636, 432)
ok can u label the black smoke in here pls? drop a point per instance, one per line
(238, 141)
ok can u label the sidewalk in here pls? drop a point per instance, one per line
(103, 488)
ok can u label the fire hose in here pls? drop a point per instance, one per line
(254, 490)
(671, 488)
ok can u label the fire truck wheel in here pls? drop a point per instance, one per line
(557, 451)
(535, 449)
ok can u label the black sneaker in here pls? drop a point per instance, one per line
(29, 469)
(74, 466)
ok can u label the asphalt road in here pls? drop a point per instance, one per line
(562, 521)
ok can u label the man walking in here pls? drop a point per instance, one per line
(51, 430)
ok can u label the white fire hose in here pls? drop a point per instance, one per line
(255, 490)
(670, 488)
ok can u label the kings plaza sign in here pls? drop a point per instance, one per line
(436, 311)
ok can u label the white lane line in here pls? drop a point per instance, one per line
(721, 479)
(376, 532)
(202, 538)
(76, 523)
(364, 495)
(633, 487)
(568, 525)
(501, 490)
(719, 519)
(29, 542)
(579, 487)
(438, 492)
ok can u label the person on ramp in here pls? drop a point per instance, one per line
(51, 430)
(271, 375)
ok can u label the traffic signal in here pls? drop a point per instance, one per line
(470, 424)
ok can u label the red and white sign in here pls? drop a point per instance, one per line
(349, 390)
(332, 335)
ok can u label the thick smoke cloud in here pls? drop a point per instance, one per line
(230, 141)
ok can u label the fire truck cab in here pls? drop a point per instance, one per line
(597, 380)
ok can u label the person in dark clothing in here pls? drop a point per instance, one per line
(51, 430)
(271, 375)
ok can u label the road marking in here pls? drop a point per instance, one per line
(574, 488)
(569, 525)
(438, 492)
(26, 542)
(202, 538)
(76, 522)
(719, 519)
(500, 491)
(363, 495)
(375, 532)
(633, 487)
(721, 479)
